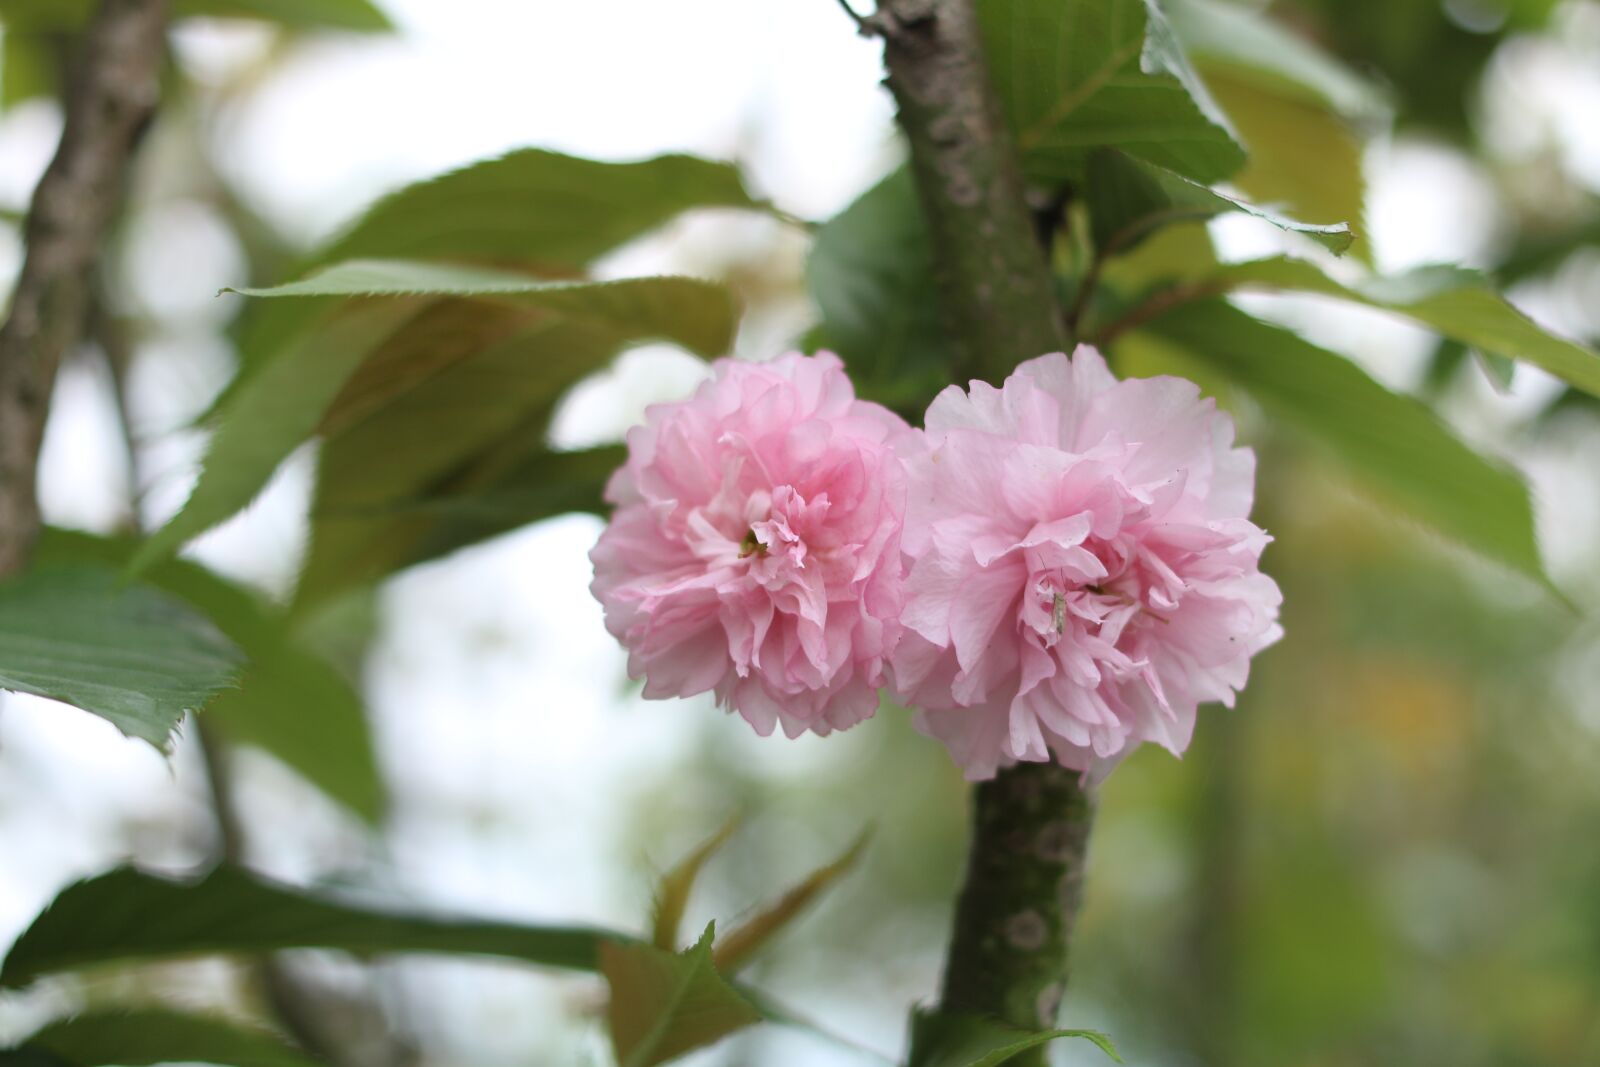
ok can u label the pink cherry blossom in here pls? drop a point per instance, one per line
(755, 548)
(1083, 571)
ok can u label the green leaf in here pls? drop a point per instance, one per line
(665, 1004)
(736, 948)
(59, 15)
(871, 274)
(695, 314)
(1457, 303)
(137, 1038)
(128, 915)
(941, 1040)
(1130, 199)
(456, 462)
(1075, 75)
(439, 440)
(289, 701)
(541, 212)
(541, 209)
(131, 655)
(672, 893)
(1392, 443)
(417, 319)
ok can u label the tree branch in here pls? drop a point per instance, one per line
(110, 99)
(1013, 923)
(995, 287)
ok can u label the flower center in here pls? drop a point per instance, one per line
(751, 545)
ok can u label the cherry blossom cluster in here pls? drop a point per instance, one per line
(1056, 569)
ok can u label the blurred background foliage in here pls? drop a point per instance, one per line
(1382, 856)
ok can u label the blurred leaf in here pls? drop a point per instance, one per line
(351, 548)
(128, 915)
(871, 274)
(359, 15)
(44, 14)
(1498, 370)
(1447, 357)
(941, 1040)
(544, 483)
(1255, 47)
(1075, 75)
(1392, 442)
(457, 461)
(672, 894)
(1180, 252)
(1130, 199)
(270, 419)
(29, 66)
(1542, 252)
(735, 949)
(542, 210)
(1315, 956)
(296, 14)
(1457, 303)
(1296, 109)
(430, 316)
(129, 654)
(1420, 48)
(1302, 156)
(28, 1056)
(289, 701)
(456, 457)
(664, 1004)
(137, 1038)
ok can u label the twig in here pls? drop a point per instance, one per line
(287, 1002)
(1156, 305)
(1086, 287)
(863, 24)
(1118, 242)
(111, 97)
(291, 1006)
(299, 1006)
